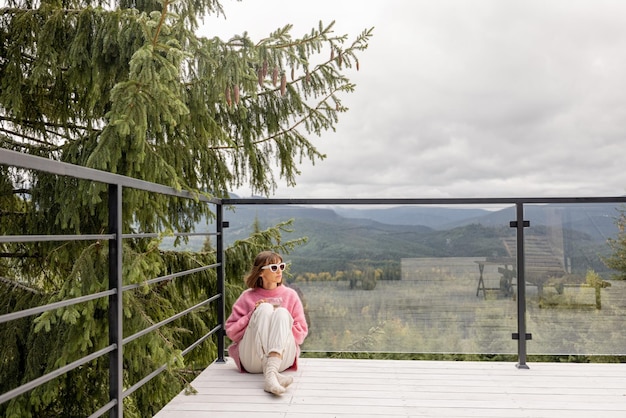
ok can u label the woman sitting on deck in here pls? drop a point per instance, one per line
(267, 324)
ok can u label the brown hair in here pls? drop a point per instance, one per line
(253, 279)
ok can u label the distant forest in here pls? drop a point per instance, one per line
(353, 239)
(331, 249)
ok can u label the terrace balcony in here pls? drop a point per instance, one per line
(536, 298)
(349, 388)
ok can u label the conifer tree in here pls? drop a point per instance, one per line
(617, 260)
(130, 88)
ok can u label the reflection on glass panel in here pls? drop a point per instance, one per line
(574, 306)
(404, 279)
(434, 307)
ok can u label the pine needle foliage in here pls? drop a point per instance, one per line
(130, 87)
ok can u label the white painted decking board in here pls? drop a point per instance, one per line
(338, 388)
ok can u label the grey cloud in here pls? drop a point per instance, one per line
(470, 98)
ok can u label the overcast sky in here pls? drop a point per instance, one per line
(458, 98)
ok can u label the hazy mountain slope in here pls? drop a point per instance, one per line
(337, 242)
(431, 216)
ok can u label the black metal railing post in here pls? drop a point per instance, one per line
(521, 334)
(116, 336)
(221, 302)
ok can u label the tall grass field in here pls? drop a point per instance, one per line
(434, 308)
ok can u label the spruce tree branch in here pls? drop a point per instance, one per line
(49, 129)
(304, 76)
(309, 114)
(161, 23)
(53, 125)
(291, 128)
(16, 255)
(317, 35)
(28, 138)
(15, 284)
(292, 44)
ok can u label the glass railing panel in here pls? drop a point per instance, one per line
(574, 304)
(404, 280)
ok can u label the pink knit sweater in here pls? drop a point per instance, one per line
(244, 306)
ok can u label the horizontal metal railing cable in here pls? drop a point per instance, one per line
(169, 277)
(202, 339)
(42, 238)
(173, 234)
(56, 305)
(105, 408)
(163, 367)
(170, 319)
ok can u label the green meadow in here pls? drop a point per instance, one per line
(434, 309)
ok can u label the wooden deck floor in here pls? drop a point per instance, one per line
(332, 388)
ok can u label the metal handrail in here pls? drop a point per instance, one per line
(424, 201)
(21, 160)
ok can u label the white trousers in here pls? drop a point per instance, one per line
(269, 331)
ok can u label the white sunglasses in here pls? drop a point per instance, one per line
(274, 267)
